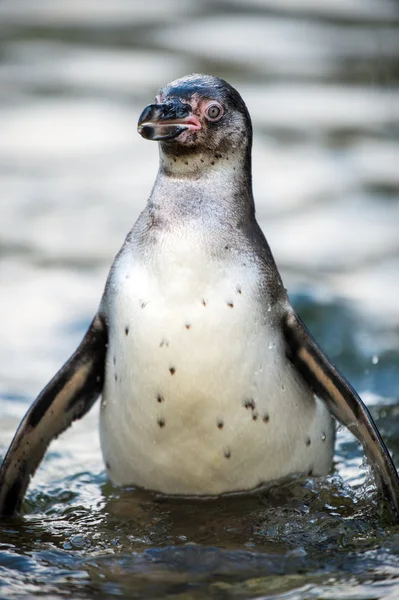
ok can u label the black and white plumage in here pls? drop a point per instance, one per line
(210, 383)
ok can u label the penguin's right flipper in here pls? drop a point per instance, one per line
(343, 403)
(69, 395)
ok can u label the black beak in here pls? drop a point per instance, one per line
(164, 121)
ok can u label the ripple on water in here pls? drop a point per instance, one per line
(137, 543)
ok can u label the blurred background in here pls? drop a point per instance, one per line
(320, 78)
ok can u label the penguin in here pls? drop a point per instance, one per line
(210, 383)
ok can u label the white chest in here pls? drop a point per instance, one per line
(199, 397)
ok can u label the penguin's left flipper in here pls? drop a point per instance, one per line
(68, 396)
(343, 403)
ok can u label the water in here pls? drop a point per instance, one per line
(321, 82)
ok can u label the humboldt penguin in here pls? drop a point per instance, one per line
(210, 382)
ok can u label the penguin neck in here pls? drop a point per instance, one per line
(201, 184)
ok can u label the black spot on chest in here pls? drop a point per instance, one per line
(249, 403)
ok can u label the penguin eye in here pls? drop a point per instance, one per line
(214, 112)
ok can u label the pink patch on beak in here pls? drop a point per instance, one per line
(191, 123)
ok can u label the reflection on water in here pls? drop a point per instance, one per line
(321, 82)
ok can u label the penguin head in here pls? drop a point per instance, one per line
(199, 117)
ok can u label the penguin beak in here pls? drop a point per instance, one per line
(166, 121)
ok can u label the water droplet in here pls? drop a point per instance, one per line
(269, 308)
(365, 463)
(323, 437)
(375, 359)
(283, 388)
(271, 345)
